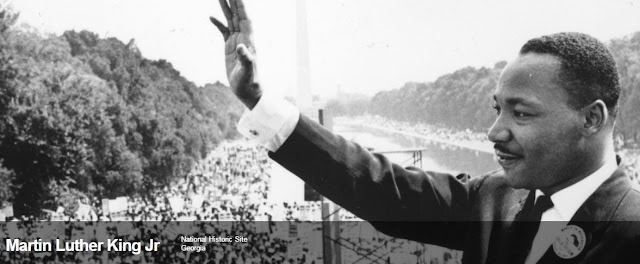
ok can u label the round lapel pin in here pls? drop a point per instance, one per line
(570, 242)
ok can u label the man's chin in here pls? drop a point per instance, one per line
(516, 180)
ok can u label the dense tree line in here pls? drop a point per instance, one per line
(462, 99)
(7, 74)
(457, 100)
(89, 117)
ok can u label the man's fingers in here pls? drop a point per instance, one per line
(228, 15)
(236, 24)
(225, 9)
(236, 19)
(240, 10)
(224, 30)
(234, 6)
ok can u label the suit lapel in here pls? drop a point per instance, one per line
(502, 236)
(594, 215)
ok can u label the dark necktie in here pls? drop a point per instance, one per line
(526, 227)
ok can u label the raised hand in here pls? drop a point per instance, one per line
(239, 52)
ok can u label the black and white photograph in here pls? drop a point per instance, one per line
(326, 131)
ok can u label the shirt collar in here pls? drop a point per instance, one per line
(568, 200)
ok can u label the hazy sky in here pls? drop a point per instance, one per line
(358, 45)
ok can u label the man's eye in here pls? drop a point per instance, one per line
(520, 114)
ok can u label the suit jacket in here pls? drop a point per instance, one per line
(456, 211)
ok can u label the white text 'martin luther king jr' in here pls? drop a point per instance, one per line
(112, 245)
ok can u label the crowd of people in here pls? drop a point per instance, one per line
(452, 137)
(225, 195)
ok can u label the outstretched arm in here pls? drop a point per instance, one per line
(368, 185)
(239, 52)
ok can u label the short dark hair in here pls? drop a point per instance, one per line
(588, 69)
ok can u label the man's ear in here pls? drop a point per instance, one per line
(595, 116)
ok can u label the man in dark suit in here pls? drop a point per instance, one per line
(560, 196)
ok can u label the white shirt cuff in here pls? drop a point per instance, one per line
(270, 122)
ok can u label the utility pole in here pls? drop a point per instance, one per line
(331, 253)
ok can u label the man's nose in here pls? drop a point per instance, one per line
(499, 131)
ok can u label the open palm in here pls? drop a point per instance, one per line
(239, 52)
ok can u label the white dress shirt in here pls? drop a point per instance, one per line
(565, 204)
(273, 120)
